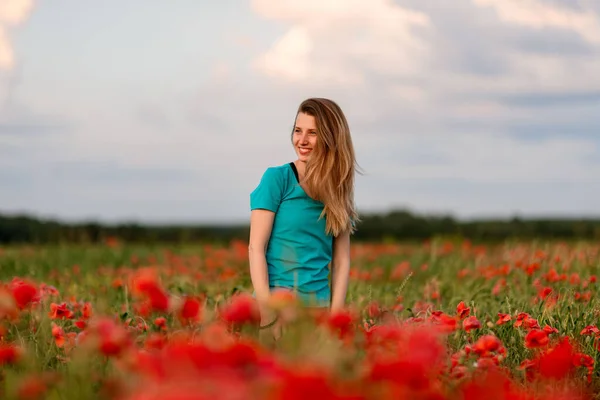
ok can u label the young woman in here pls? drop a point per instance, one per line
(303, 212)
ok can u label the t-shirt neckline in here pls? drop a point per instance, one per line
(293, 167)
(295, 171)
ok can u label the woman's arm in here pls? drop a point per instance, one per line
(340, 271)
(261, 223)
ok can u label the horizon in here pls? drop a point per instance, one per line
(238, 223)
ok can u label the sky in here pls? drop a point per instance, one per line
(159, 112)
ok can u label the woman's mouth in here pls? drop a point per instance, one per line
(304, 151)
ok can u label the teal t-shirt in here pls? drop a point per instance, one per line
(299, 251)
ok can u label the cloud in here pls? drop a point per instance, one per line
(315, 48)
(12, 13)
(400, 62)
(6, 53)
(537, 15)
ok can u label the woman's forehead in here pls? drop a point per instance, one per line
(305, 121)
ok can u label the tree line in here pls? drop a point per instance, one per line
(395, 225)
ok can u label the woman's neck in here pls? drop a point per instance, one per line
(301, 168)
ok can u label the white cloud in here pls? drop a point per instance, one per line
(6, 52)
(537, 15)
(552, 72)
(340, 42)
(385, 56)
(12, 13)
(290, 56)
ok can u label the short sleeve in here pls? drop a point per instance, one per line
(269, 192)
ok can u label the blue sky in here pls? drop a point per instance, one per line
(156, 112)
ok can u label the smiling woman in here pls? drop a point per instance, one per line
(303, 213)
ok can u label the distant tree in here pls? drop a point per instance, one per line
(394, 225)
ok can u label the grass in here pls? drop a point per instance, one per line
(401, 287)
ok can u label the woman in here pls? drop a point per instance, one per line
(302, 214)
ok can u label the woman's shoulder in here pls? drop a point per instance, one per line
(280, 167)
(278, 177)
(279, 172)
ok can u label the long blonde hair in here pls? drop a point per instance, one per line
(329, 176)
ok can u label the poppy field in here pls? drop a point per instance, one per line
(438, 320)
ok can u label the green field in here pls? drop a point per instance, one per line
(433, 320)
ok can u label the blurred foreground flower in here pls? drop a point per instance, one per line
(240, 310)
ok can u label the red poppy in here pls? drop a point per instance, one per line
(161, 323)
(462, 310)
(556, 363)
(111, 338)
(589, 330)
(341, 322)
(241, 309)
(503, 318)
(471, 323)
(548, 329)
(34, 386)
(9, 354)
(536, 338)
(86, 311)
(60, 311)
(58, 334)
(445, 322)
(486, 345)
(145, 283)
(24, 292)
(190, 310)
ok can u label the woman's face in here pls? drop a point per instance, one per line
(305, 136)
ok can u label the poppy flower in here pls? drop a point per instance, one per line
(24, 292)
(462, 310)
(471, 323)
(241, 309)
(9, 354)
(536, 338)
